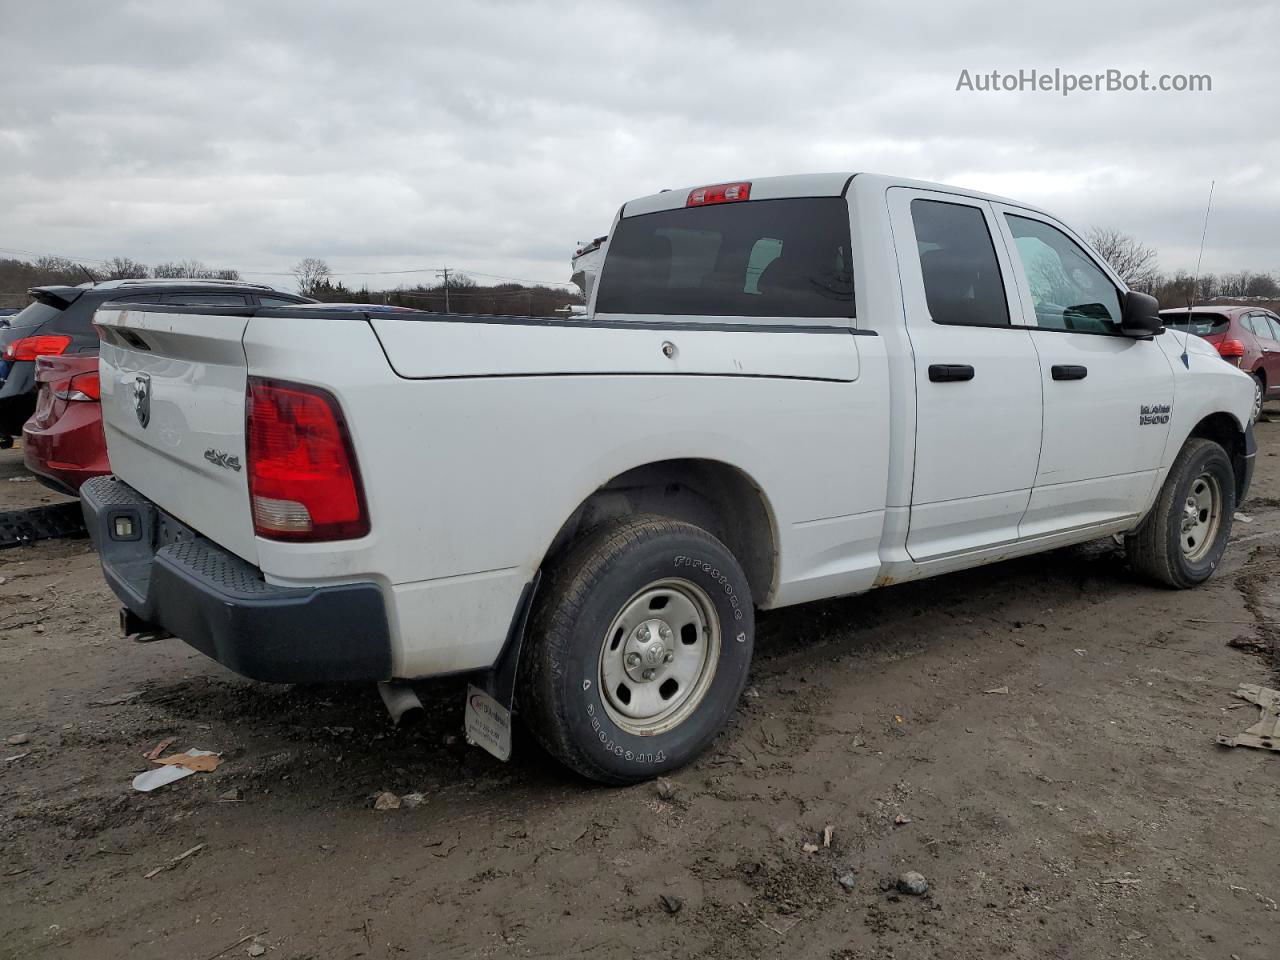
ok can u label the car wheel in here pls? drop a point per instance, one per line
(1182, 539)
(638, 649)
(1259, 393)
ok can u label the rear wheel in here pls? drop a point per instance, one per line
(1182, 539)
(1259, 394)
(638, 649)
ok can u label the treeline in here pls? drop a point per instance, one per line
(17, 276)
(1176, 290)
(463, 295)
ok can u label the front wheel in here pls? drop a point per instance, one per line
(1182, 539)
(638, 649)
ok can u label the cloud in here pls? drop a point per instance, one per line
(492, 136)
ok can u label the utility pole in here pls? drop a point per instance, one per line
(444, 272)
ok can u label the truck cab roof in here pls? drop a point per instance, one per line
(807, 185)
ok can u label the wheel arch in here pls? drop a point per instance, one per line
(717, 496)
(1227, 432)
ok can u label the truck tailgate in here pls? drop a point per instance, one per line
(173, 408)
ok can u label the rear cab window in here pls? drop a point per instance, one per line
(756, 258)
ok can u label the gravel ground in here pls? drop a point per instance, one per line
(1036, 738)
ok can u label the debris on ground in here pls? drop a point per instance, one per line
(386, 800)
(17, 756)
(1081, 651)
(997, 690)
(1124, 881)
(1250, 645)
(1241, 518)
(670, 903)
(117, 700)
(234, 795)
(18, 739)
(901, 820)
(175, 767)
(913, 883)
(665, 789)
(1265, 734)
(173, 861)
(256, 950)
(412, 800)
(827, 833)
(160, 748)
(848, 879)
(810, 848)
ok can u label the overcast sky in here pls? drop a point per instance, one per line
(490, 137)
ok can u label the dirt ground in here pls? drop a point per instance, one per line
(1036, 738)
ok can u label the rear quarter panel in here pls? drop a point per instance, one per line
(472, 466)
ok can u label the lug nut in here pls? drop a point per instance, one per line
(648, 674)
(643, 633)
(633, 659)
(669, 657)
(664, 632)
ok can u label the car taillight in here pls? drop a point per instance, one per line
(28, 348)
(84, 388)
(720, 193)
(303, 479)
(1230, 348)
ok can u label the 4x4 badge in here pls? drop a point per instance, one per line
(142, 398)
(220, 459)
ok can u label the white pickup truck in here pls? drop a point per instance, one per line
(784, 389)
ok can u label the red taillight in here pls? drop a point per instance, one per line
(1230, 348)
(28, 348)
(720, 193)
(85, 387)
(303, 480)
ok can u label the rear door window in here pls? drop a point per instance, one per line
(757, 258)
(962, 282)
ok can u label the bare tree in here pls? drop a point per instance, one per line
(192, 270)
(1136, 263)
(124, 268)
(310, 273)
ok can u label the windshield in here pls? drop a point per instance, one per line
(1201, 324)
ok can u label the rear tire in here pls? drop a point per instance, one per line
(1182, 539)
(638, 649)
(1259, 397)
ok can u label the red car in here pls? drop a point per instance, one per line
(1248, 337)
(63, 443)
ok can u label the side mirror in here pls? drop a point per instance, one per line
(1140, 316)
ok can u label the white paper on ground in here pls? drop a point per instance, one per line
(159, 776)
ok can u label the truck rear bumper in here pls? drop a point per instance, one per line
(178, 581)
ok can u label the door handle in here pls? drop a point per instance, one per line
(1068, 371)
(950, 372)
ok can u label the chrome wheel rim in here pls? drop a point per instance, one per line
(1257, 399)
(658, 657)
(1201, 517)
